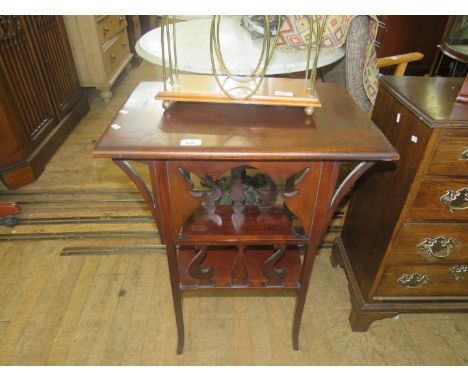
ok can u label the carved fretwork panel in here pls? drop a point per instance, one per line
(275, 275)
(238, 184)
(198, 271)
(55, 58)
(325, 207)
(19, 68)
(184, 201)
(301, 199)
(239, 272)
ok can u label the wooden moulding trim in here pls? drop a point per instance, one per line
(395, 307)
(183, 154)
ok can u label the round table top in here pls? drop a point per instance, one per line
(239, 50)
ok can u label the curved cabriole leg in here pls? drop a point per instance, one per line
(318, 228)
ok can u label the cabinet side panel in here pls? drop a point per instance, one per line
(23, 82)
(380, 197)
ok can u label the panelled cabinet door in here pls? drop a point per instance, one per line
(55, 58)
(23, 84)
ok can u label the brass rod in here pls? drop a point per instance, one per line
(163, 55)
(168, 34)
(175, 47)
(320, 29)
(309, 49)
(215, 49)
(221, 86)
(266, 54)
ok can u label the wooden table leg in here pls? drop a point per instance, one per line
(159, 204)
(158, 170)
(301, 297)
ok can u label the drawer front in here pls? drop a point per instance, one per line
(116, 52)
(431, 244)
(450, 157)
(424, 281)
(109, 26)
(441, 199)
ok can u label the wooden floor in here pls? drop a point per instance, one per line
(90, 307)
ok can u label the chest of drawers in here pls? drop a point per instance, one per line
(100, 49)
(404, 245)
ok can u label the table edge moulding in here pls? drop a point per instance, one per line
(215, 236)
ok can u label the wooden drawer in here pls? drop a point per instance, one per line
(116, 52)
(433, 243)
(109, 26)
(450, 157)
(437, 199)
(424, 281)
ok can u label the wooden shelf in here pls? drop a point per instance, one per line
(252, 225)
(221, 259)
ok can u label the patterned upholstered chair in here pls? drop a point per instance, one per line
(349, 70)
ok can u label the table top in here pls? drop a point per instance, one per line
(338, 130)
(433, 99)
(240, 52)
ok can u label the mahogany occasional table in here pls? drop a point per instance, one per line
(236, 190)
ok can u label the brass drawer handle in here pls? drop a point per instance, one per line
(105, 29)
(414, 280)
(124, 44)
(121, 19)
(464, 155)
(458, 271)
(113, 57)
(438, 247)
(456, 200)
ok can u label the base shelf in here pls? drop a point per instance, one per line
(272, 91)
(221, 259)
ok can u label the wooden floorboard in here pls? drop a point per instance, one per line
(117, 309)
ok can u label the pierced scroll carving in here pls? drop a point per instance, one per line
(267, 198)
(292, 182)
(195, 269)
(274, 275)
(209, 198)
(186, 175)
(239, 273)
(237, 193)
